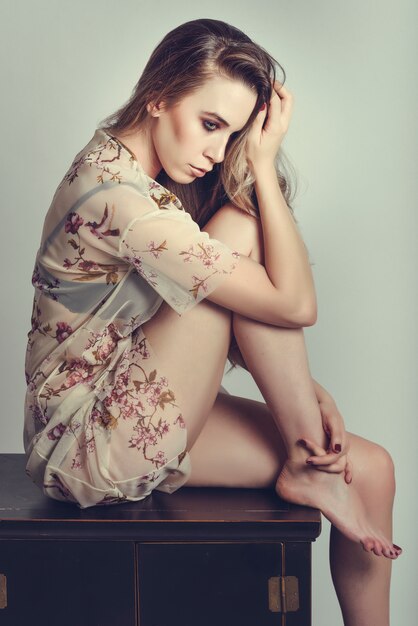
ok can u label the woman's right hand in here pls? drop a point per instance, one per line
(263, 143)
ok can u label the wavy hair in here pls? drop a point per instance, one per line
(182, 62)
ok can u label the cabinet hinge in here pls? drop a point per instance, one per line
(283, 594)
(3, 591)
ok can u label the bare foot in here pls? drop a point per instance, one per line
(339, 502)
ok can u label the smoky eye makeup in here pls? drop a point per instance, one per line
(210, 126)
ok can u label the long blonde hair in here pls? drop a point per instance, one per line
(183, 61)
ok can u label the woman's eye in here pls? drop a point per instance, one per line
(211, 123)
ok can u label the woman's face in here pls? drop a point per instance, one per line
(189, 134)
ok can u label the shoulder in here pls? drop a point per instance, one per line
(102, 160)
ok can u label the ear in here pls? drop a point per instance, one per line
(155, 109)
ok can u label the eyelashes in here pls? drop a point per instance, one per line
(210, 130)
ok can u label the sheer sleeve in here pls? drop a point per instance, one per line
(181, 262)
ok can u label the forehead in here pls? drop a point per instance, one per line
(230, 99)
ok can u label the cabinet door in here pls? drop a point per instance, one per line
(203, 584)
(68, 583)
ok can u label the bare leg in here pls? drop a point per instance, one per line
(277, 359)
(240, 446)
(361, 581)
(192, 350)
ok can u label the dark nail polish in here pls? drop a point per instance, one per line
(397, 547)
(301, 442)
(337, 447)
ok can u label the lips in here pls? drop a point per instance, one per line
(198, 171)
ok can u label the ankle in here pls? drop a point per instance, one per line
(297, 453)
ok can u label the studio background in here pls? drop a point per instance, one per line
(65, 65)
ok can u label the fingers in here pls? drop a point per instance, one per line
(313, 447)
(319, 456)
(348, 472)
(334, 468)
(328, 461)
(338, 438)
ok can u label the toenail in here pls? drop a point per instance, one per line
(309, 461)
(301, 442)
(397, 547)
(337, 447)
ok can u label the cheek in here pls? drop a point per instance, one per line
(184, 132)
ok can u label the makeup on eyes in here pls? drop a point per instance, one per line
(210, 129)
(216, 116)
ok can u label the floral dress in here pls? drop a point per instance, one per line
(102, 424)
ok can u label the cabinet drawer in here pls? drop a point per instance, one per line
(68, 583)
(202, 584)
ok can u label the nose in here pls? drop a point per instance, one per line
(216, 151)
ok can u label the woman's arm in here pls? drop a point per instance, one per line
(321, 393)
(285, 254)
(283, 285)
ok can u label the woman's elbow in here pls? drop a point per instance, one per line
(304, 316)
(309, 317)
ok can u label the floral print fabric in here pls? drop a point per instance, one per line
(102, 424)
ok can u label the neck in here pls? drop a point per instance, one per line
(141, 145)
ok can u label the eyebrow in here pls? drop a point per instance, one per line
(218, 117)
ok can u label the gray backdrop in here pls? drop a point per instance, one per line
(351, 67)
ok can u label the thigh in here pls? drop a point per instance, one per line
(191, 351)
(239, 446)
(192, 348)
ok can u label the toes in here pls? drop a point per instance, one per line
(388, 552)
(368, 545)
(376, 547)
(377, 550)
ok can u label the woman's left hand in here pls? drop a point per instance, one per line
(335, 458)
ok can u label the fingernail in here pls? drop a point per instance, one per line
(337, 447)
(263, 107)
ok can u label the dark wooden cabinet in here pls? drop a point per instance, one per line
(63, 583)
(197, 557)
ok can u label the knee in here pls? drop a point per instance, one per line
(238, 230)
(380, 465)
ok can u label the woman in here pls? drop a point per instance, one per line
(137, 307)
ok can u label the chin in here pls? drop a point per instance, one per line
(181, 177)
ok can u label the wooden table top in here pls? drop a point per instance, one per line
(211, 513)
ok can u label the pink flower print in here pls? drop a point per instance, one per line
(180, 421)
(63, 331)
(154, 391)
(77, 363)
(199, 282)
(136, 262)
(209, 260)
(76, 464)
(88, 266)
(56, 432)
(157, 250)
(142, 436)
(94, 226)
(73, 223)
(189, 254)
(160, 459)
(162, 428)
(77, 376)
(105, 350)
(38, 415)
